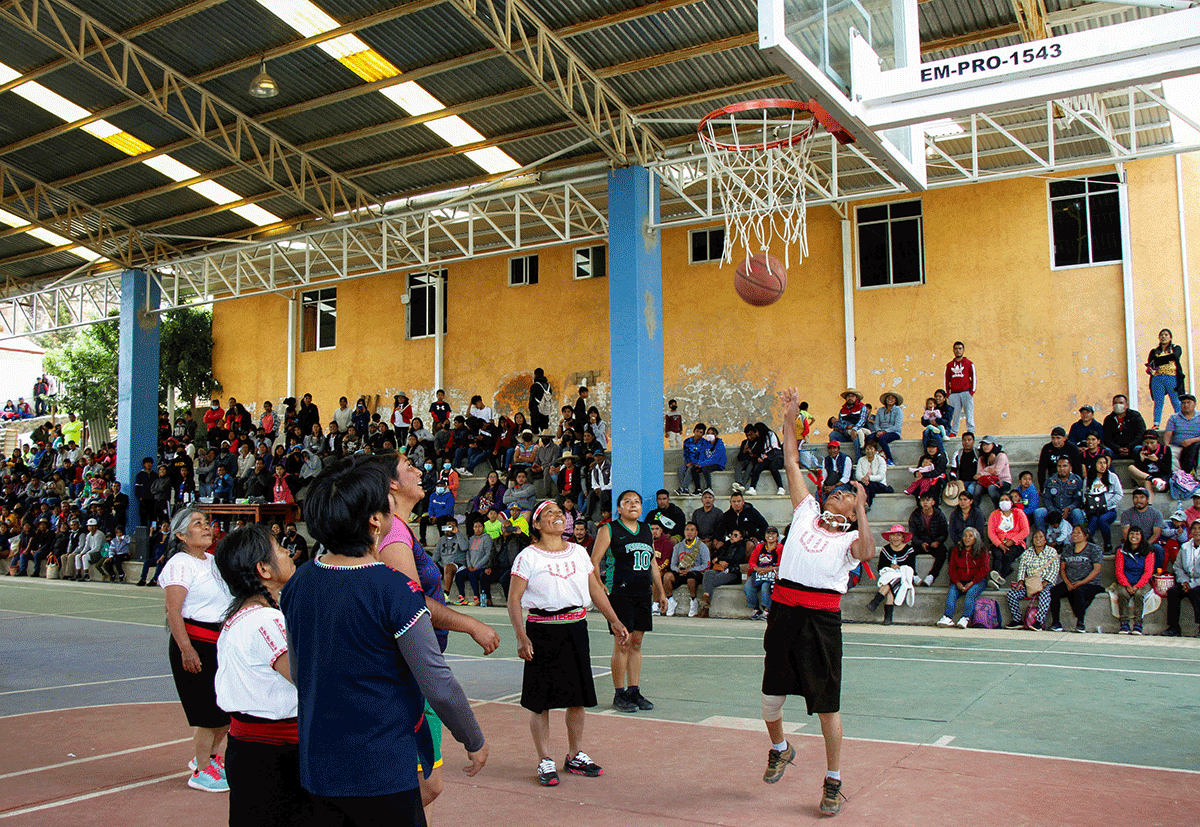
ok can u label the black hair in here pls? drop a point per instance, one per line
(959, 344)
(343, 498)
(238, 556)
(699, 425)
(656, 493)
(804, 406)
(583, 389)
(971, 434)
(476, 398)
(635, 493)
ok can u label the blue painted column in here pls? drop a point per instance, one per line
(137, 382)
(635, 333)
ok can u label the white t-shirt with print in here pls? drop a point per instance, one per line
(554, 579)
(250, 643)
(208, 597)
(814, 557)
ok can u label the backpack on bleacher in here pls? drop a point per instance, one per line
(986, 614)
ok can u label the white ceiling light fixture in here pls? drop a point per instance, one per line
(263, 85)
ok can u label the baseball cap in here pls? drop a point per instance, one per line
(1086, 408)
(1184, 396)
(92, 522)
(708, 491)
(1178, 515)
(772, 530)
(1141, 490)
(1058, 431)
(835, 443)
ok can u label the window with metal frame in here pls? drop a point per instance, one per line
(591, 262)
(707, 245)
(891, 244)
(318, 319)
(1085, 221)
(421, 321)
(522, 271)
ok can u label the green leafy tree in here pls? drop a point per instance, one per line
(86, 367)
(186, 345)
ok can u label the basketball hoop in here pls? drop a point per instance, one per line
(758, 154)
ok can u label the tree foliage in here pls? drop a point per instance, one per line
(86, 368)
(186, 345)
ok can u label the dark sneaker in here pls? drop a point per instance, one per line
(1137, 629)
(1057, 627)
(777, 762)
(546, 773)
(831, 796)
(623, 703)
(1170, 631)
(580, 764)
(641, 702)
(1124, 630)
(1080, 628)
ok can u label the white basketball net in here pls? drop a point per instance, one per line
(759, 160)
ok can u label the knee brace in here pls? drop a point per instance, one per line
(772, 707)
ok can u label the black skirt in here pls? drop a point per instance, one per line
(264, 785)
(560, 674)
(804, 656)
(197, 690)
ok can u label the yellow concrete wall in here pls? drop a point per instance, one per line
(1044, 341)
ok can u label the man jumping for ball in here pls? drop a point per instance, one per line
(803, 641)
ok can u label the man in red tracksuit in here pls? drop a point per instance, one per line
(960, 388)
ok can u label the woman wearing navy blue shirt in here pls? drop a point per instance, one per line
(361, 723)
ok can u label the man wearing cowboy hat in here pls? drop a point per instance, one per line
(851, 419)
(888, 420)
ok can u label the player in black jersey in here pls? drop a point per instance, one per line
(632, 580)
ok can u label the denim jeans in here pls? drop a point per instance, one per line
(758, 592)
(1104, 522)
(964, 404)
(884, 441)
(969, 597)
(1161, 387)
(847, 437)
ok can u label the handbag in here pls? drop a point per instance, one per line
(1033, 585)
(1095, 503)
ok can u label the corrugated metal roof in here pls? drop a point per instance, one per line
(393, 161)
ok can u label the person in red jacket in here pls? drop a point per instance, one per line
(214, 418)
(960, 388)
(969, 565)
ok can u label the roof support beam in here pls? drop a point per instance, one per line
(555, 68)
(188, 106)
(83, 224)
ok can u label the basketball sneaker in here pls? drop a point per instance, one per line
(547, 775)
(831, 796)
(622, 702)
(777, 762)
(636, 696)
(672, 605)
(580, 764)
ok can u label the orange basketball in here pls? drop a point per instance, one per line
(760, 279)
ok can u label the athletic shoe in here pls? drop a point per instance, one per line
(1170, 631)
(1080, 627)
(637, 697)
(623, 703)
(582, 765)
(831, 796)
(764, 616)
(1057, 627)
(750, 492)
(474, 601)
(781, 493)
(757, 615)
(681, 491)
(209, 781)
(963, 623)
(1137, 629)
(153, 582)
(928, 581)
(945, 621)
(216, 761)
(777, 762)
(654, 608)
(996, 580)
(738, 487)
(1124, 630)
(462, 601)
(694, 607)
(140, 583)
(1015, 624)
(463, 472)
(547, 775)
(672, 605)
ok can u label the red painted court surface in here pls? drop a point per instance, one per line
(124, 765)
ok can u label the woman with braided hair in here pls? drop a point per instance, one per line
(197, 599)
(253, 684)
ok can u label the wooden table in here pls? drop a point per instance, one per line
(286, 512)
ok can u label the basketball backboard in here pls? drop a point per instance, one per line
(861, 61)
(813, 41)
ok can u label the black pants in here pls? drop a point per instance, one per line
(939, 559)
(772, 465)
(395, 810)
(1003, 560)
(264, 785)
(1175, 597)
(1080, 597)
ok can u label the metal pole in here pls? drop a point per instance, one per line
(1183, 255)
(848, 300)
(438, 333)
(1131, 367)
(291, 344)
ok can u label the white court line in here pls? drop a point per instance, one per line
(943, 741)
(88, 796)
(92, 619)
(73, 685)
(93, 758)
(641, 717)
(84, 588)
(952, 661)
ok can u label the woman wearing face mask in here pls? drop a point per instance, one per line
(712, 458)
(441, 504)
(1007, 529)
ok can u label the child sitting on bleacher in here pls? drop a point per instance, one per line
(897, 569)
